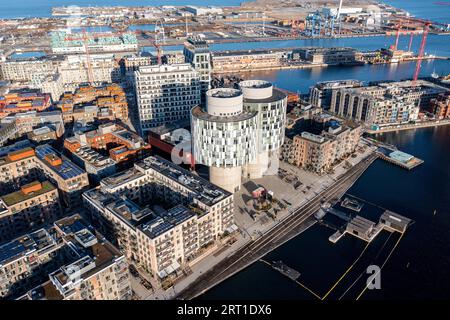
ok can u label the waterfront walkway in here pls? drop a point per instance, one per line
(278, 235)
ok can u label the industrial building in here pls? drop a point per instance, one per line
(162, 217)
(239, 132)
(165, 94)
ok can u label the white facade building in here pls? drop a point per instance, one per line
(240, 133)
(270, 104)
(165, 94)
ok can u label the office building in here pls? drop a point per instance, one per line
(240, 132)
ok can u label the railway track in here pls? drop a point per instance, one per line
(279, 234)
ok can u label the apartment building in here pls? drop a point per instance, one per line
(95, 102)
(165, 94)
(86, 148)
(196, 52)
(320, 94)
(321, 150)
(104, 68)
(34, 205)
(43, 162)
(161, 216)
(23, 101)
(29, 70)
(26, 122)
(330, 56)
(67, 261)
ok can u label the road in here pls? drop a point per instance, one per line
(279, 234)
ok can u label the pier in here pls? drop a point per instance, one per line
(399, 158)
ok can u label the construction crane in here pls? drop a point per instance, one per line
(426, 28)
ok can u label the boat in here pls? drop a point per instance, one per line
(435, 75)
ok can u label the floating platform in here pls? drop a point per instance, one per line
(399, 158)
(352, 204)
(283, 269)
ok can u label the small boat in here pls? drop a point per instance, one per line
(435, 75)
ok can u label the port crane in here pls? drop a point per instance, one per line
(426, 24)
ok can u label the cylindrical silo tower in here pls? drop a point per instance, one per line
(224, 136)
(270, 105)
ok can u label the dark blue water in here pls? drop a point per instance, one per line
(43, 8)
(418, 268)
(300, 80)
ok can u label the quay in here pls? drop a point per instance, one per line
(284, 231)
(419, 125)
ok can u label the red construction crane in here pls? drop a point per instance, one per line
(426, 28)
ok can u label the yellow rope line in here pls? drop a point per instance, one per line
(346, 272)
(384, 263)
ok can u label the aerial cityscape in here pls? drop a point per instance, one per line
(240, 150)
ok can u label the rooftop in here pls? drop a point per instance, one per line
(202, 115)
(25, 245)
(66, 170)
(205, 191)
(20, 196)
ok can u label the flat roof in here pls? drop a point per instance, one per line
(18, 196)
(67, 169)
(25, 245)
(205, 191)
